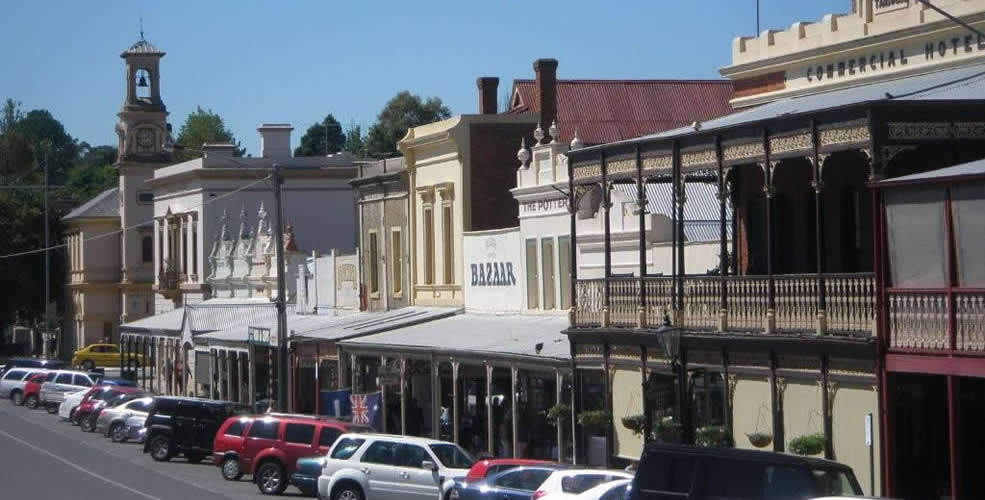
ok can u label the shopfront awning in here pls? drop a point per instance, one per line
(958, 84)
(313, 327)
(478, 336)
(170, 323)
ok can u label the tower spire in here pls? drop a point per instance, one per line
(141, 27)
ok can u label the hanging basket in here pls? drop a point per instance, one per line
(635, 423)
(594, 418)
(713, 436)
(760, 439)
(811, 444)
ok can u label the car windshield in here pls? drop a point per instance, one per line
(452, 456)
(833, 482)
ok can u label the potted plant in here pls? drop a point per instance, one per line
(667, 431)
(594, 418)
(635, 423)
(811, 444)
(558, 414)
(760, 439)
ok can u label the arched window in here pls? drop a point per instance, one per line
(142, 83)
(147, 249)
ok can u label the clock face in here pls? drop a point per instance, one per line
(145, 140)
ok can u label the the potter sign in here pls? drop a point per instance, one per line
(493, 270)
(532, 207)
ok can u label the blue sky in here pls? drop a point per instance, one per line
(295, 61)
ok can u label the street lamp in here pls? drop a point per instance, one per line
(670, 340)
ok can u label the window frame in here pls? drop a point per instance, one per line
(262, 422)
(427, 213)
(448, 243)
(545, 267)
(532, 270)
(396, 262)
(288, 426)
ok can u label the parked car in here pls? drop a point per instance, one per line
(365, 466)
(112, 421)
(694, 472)
(98, 399)
(568, 484)
(32, 388)
(91, 356)
(485, 468)
(305, 476)
(66, 410)
(268, 446)
(65, 381)
(185, 425)
(614, 490)
(25, 362)
(12, 383)
(516, 483)
(118, 381)
(136, 428)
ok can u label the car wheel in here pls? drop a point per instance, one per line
(88, 365)
(231, 470)
(118, 433)
(52, 409)
(87, 423)
(270, 478)
(31, 401)
(17, 397)
(160, 448)
(347, 492)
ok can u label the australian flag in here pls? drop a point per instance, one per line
(335, 403)
(367, 410)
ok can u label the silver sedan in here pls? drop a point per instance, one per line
(112, 422)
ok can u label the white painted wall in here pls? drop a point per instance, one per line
(495, 280)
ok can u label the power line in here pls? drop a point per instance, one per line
(134, 226)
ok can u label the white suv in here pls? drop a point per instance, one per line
(387, 467)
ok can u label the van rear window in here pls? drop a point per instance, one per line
(665, 473)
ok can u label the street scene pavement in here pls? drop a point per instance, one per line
(43, 457)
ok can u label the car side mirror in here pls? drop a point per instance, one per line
(429, 465)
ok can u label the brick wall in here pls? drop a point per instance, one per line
(493, 172)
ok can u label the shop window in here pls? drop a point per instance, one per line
(396, 261)
(448, 241)
(533, 284)
(564, 266)
(374, 264)
(547, 255)
(708, 398)
(428, 246)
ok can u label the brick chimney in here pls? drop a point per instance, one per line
(275, 140)
(488, 86)
(546, 71)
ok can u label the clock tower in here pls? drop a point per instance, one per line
(141, 130)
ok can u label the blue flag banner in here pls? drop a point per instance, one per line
(335, 403)
(367, 409)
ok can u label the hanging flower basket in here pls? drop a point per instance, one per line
(594, 418)
(713, 436)
(667, 431)
(760, 439)
(635, 423)
(811, 444)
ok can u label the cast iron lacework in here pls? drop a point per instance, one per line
(780, 145)
(665, 162)
(620, 166)
(698, 158)
(851, 135)
(742, 151)
(587, 171)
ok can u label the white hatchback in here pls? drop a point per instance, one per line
(567, 484)
(72, 400)
(389, 467)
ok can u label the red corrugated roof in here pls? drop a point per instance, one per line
(611, 110)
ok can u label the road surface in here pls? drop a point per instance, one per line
(45, 458)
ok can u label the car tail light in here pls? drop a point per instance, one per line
(537, 494)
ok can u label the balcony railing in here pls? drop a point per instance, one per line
(849, 299)
(935, 320)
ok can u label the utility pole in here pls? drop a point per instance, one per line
(282, 371)
(47, 262)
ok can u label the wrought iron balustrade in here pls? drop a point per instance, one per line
(702, 301)
(624, 302)
(917, 319)
(588, 302)
(969, 311)
(748, 302)
(850, 302)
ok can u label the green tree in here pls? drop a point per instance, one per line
(203, 126)
(403, 111)
(355, 141)
(92, 173)
(322, 138)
